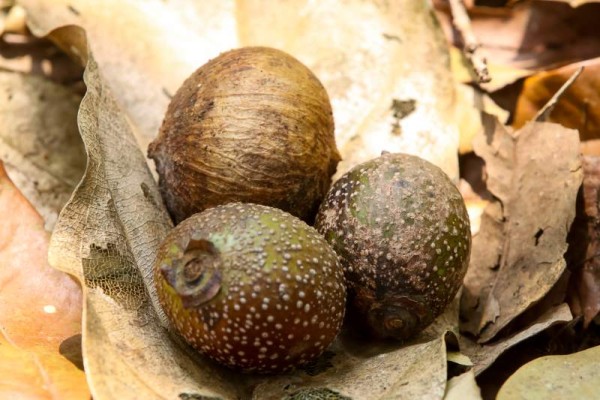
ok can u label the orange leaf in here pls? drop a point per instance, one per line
(40, 308)
(578, 107)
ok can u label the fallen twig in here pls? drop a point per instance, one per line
(462, 23)
(545, 111)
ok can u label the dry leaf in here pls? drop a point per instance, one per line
(463, 387)
(470, 118)
(40, 309)
(374, 370)
(532, 35)
(578, 106)
(33, 56)
(410, 372)
(517, 256)
(484, 355)
(39, 140)
(107, 236)
(572, 376)
(584, 240)
(384, 64)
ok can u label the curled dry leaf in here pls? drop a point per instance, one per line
(484, 355)
(572, 376)
(517, 256)
(38, 127)
(107, 236)
(40, 309)
(384, 64)
(578, 107)
(584, 242)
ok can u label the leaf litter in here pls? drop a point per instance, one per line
(112, 251)
(517, 256)
(107, 236)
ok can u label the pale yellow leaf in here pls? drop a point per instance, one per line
(572, 376)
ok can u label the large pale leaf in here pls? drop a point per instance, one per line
(40, 309)
(384, 64)
(517, 256)
(572, 376)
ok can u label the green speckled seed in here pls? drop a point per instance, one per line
(252, 287)
(402, 231)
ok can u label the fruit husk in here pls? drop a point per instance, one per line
(252, 125)
(402, 232)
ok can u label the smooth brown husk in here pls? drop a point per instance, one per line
(402, 232)
(252, 125)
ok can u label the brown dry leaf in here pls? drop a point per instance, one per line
(484, 355)
(531, 35)
(384, 64)
(517, 256)
(572, 376)
(584, 240)
(578, 107)
(40, 309)
(39, 140)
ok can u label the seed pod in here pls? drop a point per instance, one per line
(401, 229)
(252, 287)
(252, 125)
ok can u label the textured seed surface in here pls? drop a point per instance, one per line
(402, 232)
(252, 287)
(252, 125)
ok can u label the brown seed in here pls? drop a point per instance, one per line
(401, 229)
(252, 125)
(252, 287)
